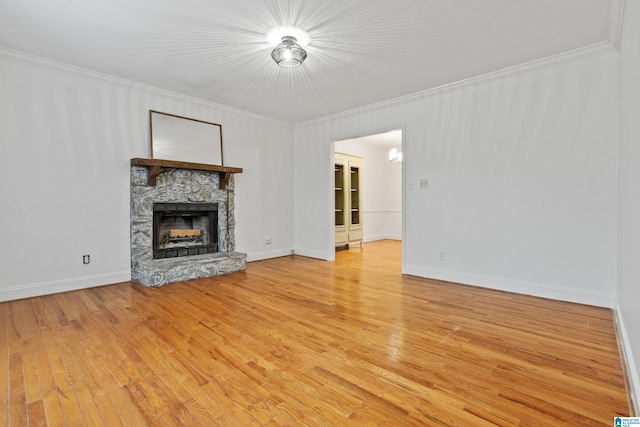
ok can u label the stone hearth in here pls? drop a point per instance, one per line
(176, 185)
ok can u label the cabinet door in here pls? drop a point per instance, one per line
(348, 199)
(341, 201)
(355, 200)
(340, 194)
(354, 193)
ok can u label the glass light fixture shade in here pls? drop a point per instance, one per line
(395, 156)
(289, 54)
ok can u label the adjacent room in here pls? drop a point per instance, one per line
(320, 213)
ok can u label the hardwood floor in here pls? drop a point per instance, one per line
(297, 341)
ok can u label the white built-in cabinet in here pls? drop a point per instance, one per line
(348, 203)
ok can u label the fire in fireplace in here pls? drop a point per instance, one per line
(183, 229)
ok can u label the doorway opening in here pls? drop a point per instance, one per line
(368, 187)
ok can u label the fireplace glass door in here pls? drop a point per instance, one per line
(184, 229)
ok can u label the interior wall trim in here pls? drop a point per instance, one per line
(259, 256)
(56, 286)
(597, 49)
(616, 18)
(381, 237)
(35, 61)
(310, 253)
(597, 299)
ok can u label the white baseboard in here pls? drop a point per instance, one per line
(627, 359)
(64, 285)
(534, 289)
(381, 237)
(310, 253)
(258, 256)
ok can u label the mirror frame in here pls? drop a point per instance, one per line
(151, 114)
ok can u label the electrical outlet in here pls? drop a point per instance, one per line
(442, 255)
(86, 259)
(267, 240)
(424, 183)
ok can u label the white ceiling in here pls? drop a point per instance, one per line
(361, 51)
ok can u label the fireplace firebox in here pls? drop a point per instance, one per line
(183, 229)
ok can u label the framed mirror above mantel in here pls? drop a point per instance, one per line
(183, 139)
(184, 143)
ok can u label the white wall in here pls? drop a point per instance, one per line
(67, 138)
(629, 193)
(522, 175)
(381, 190)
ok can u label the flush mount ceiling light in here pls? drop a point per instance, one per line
(289, 46)
(289, 54)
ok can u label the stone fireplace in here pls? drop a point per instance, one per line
(182, 222)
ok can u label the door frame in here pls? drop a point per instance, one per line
(331, 251)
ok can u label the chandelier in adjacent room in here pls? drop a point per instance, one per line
(395, 156)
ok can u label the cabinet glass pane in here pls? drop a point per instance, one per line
(339, 194)
(355, 195)
(355, 175)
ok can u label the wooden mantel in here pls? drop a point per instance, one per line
(155, 167)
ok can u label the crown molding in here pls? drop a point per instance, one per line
(580, 54)
(616, 17)
(35, 61)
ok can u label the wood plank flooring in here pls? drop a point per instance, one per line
(297, 341)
